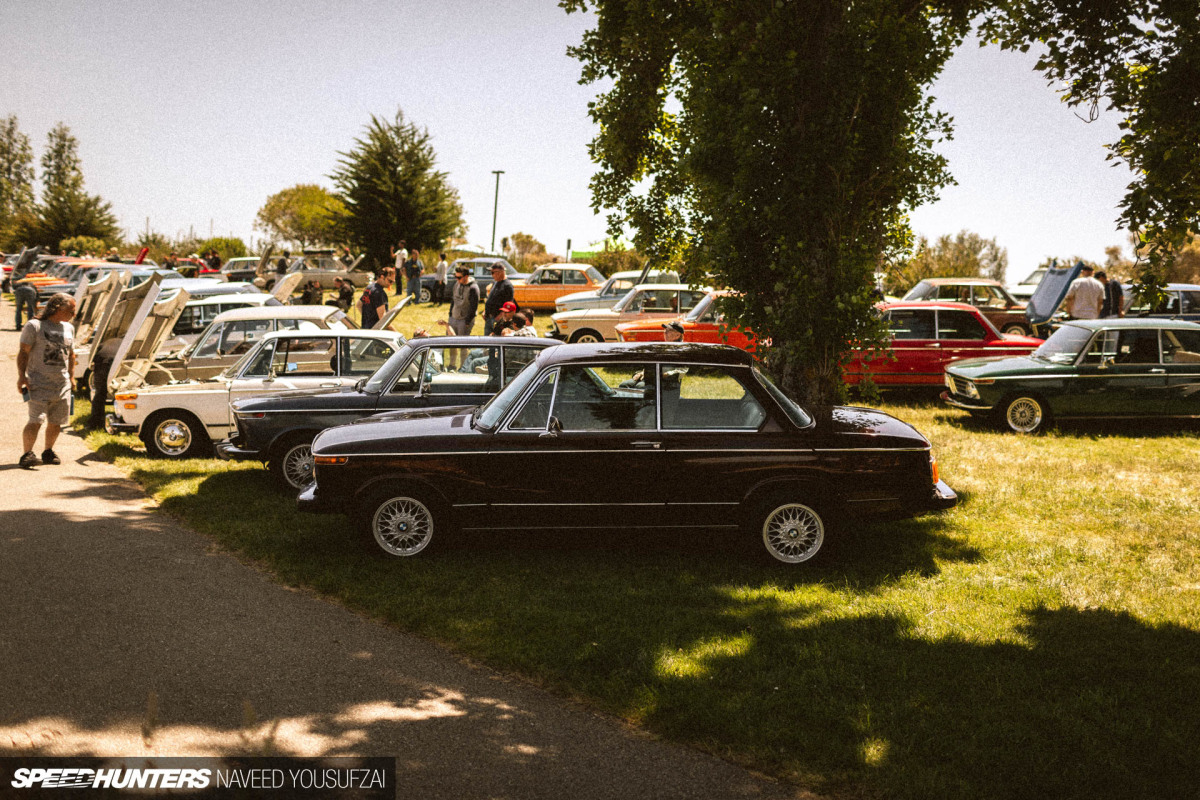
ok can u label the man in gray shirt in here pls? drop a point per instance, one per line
(464, 303)
(45, 364)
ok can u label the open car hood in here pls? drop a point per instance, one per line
(119, 316)
(385, 322)
(150, 326)
(286, 286)
(94, 299)
(1050, 293)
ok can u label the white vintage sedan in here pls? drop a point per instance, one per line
(644, 302)
(181, 420)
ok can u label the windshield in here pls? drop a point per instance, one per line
(795, 413)
(1064, 345)
(385, 374)
(700, 309)
(251, 354)
(493, 410)
(921, 291)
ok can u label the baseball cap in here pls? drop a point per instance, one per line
(675, 326)
(509, 306)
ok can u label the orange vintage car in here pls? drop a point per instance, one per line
(553, 281)
(703, 323)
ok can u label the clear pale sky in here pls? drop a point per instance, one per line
(191, 114)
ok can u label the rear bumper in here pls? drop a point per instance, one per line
(963, 404)
(227, 450)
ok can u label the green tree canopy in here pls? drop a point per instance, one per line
(16, 177)
(965, 255)
(779, 146)
(66, 210)
(391, 191)
(227, 246)
(304, 215)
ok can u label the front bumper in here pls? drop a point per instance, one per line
(227, 450)
(309, 501)
(114, 424)
(965, 405)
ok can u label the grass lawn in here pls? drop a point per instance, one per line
(1042, 640)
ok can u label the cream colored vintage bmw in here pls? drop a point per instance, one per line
(181, 420)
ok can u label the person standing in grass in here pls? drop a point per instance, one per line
(373, 304)
(439, 281)
(45, 364)
(413, 268)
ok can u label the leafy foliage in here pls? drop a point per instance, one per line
(1142, 59)
(965, 255)
(803, 136)
(228, 247)
(83, 244)
(304, 215)
(391, 191)
(527, 251)
(16, 177)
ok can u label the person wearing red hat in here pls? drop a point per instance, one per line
(503, 320)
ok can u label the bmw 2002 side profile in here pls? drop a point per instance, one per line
(647, 435)
(1103, 368)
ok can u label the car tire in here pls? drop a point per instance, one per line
(270, 285)
(1015, 329)
(791, 530)
(291, 463)
(174, 434)
(425, 295)
(404, 522)
(1024, 413)
(585, 336)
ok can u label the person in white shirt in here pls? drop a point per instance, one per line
(439, 281)
(1085, 297)
(401, 256)
(520, 327)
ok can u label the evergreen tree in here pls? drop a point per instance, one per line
(391, 191)
(16, 178)
(66, 210)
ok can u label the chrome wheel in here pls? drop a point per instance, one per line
(172, 437)
(402, 526)
(793, 533)
(587, 337)
(297, 465)
(1015, 330)
(1024, 415)
(425, 296)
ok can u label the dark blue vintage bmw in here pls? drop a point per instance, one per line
(639, 435)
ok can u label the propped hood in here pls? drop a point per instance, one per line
(1050, 293)
(150, 328)
(286, 286)
(95, 299)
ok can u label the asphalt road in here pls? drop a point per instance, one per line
(122, 633)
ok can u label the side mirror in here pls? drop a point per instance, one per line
(271, 374)
(1106, 362)
(553, 429)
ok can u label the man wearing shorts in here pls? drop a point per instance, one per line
(45, 364)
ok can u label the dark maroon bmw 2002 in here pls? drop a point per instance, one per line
(648, 435)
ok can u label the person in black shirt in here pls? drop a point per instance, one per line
(1114, 297)
(500, 293)
(374, 299)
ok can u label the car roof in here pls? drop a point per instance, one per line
(357, 333)
(670, 287)
(1133, 322)
(571, 265)
(480, 341)
(247, 298)
(638, 352)
(944, 281)
(277, 312)
(925, 305)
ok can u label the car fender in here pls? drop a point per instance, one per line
(288, 433)
(403, 479)
(812, 487)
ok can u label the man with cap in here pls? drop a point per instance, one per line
(500, 293)
(503, 320)
(673, 331)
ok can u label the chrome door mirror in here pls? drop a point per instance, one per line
(553, 428)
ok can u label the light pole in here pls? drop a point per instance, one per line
(496, 206)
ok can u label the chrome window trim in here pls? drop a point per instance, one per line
(519, 405)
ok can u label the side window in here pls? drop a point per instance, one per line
(461, 370)
(305, 357)
(515, 360)
(364, 356)
(574, 276)
(1181, 347)
(1103, 346)
(959, 325)
(409, 380)
(552, 276)
(911, 323)
(706, 398)
(1137, 347)
(608, 398)
(954, 294)
(261, 366)
(988, 297)
(207, 348)
(535, 414)
(659, 301)
(688, 300)
(189, 321)
(1191, 302)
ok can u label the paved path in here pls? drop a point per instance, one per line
(123, 633)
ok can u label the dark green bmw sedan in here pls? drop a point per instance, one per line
(1103, 368)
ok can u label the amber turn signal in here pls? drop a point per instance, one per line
(329, 460)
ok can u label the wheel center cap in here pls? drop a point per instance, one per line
(793, 533)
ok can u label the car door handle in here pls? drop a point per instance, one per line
(935, 344)
(1158, 372)
(330, 385)
(647, 445)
